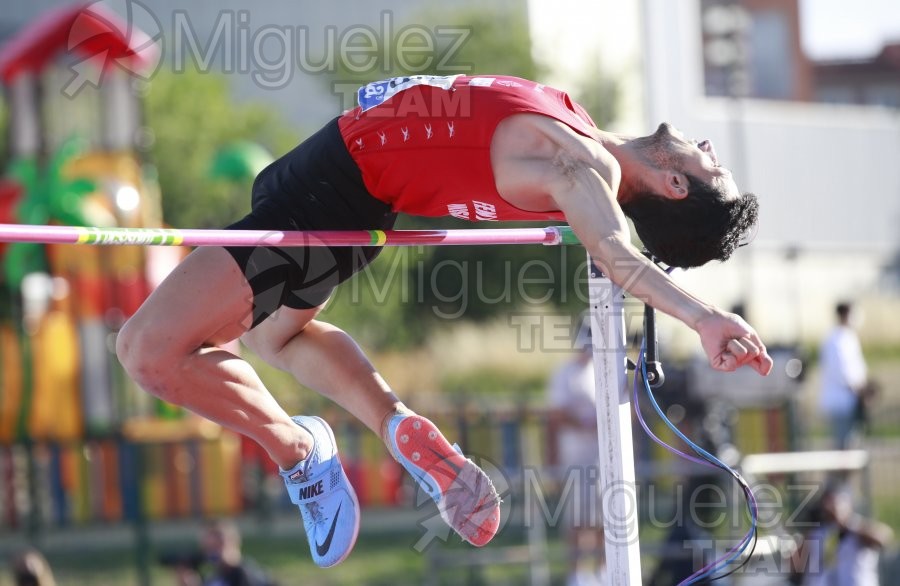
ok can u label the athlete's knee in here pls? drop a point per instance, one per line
(134, 349)
(126, 340)
(144, 354)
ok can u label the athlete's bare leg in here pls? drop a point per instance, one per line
(170, 349)
(324, 358)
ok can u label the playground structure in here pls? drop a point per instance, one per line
(73, 160)
(67, 410)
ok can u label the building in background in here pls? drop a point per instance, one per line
(761, 37)
(825, 174)
(734, 71)
(874, 81)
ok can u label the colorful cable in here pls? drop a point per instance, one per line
(705, 459)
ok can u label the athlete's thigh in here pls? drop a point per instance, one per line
(205, 300)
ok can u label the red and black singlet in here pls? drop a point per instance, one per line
(423, 143)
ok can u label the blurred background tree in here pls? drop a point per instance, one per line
(599, 96)
(497, 42)
(192, 115)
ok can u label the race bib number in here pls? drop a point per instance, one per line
(375, 93)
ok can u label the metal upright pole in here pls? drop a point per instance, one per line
(617, 485)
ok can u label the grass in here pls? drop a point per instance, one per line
(378, 559)
(887, 510)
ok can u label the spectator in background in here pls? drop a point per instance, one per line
(220, 561)
(30, 568)
(221, 542)
(841, 548)
(845, 387)
(574, 409)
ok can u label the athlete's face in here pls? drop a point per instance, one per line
(668, 149)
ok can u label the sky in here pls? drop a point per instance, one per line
(848, 28)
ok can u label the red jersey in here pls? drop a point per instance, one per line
(423, 143)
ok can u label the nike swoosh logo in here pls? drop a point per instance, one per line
(456, 469)
(323, 548)
(427, 485)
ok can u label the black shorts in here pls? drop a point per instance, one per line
(316, 186)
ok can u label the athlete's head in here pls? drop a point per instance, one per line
(691, 211)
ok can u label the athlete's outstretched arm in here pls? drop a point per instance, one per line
(590, 206)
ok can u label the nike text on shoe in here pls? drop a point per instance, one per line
(465, 496)
(327, 501)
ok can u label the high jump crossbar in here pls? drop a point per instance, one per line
(550, 236)
(617, 480)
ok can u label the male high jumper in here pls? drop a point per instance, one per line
(475, 147)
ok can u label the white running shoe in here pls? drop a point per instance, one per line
(327, 501)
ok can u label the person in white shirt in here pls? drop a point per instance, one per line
(844, 379)
(574, 409)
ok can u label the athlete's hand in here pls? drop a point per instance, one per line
(729, 343)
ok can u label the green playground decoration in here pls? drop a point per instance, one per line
(240, 162)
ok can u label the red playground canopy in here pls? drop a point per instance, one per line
(87, 30)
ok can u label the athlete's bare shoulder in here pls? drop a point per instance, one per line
(530, 151)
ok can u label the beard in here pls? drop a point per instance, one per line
(656, 149)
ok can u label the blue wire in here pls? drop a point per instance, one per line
(748, 493)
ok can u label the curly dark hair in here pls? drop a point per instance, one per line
(690, 232)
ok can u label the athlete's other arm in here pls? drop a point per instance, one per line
(582, 178)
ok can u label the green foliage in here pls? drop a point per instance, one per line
(192, 115)
(481, 282)
(384, 554)
(4, 133)
(378, 305)
(498, 40)
(599, 98)
(496, 381)
(494, 40)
